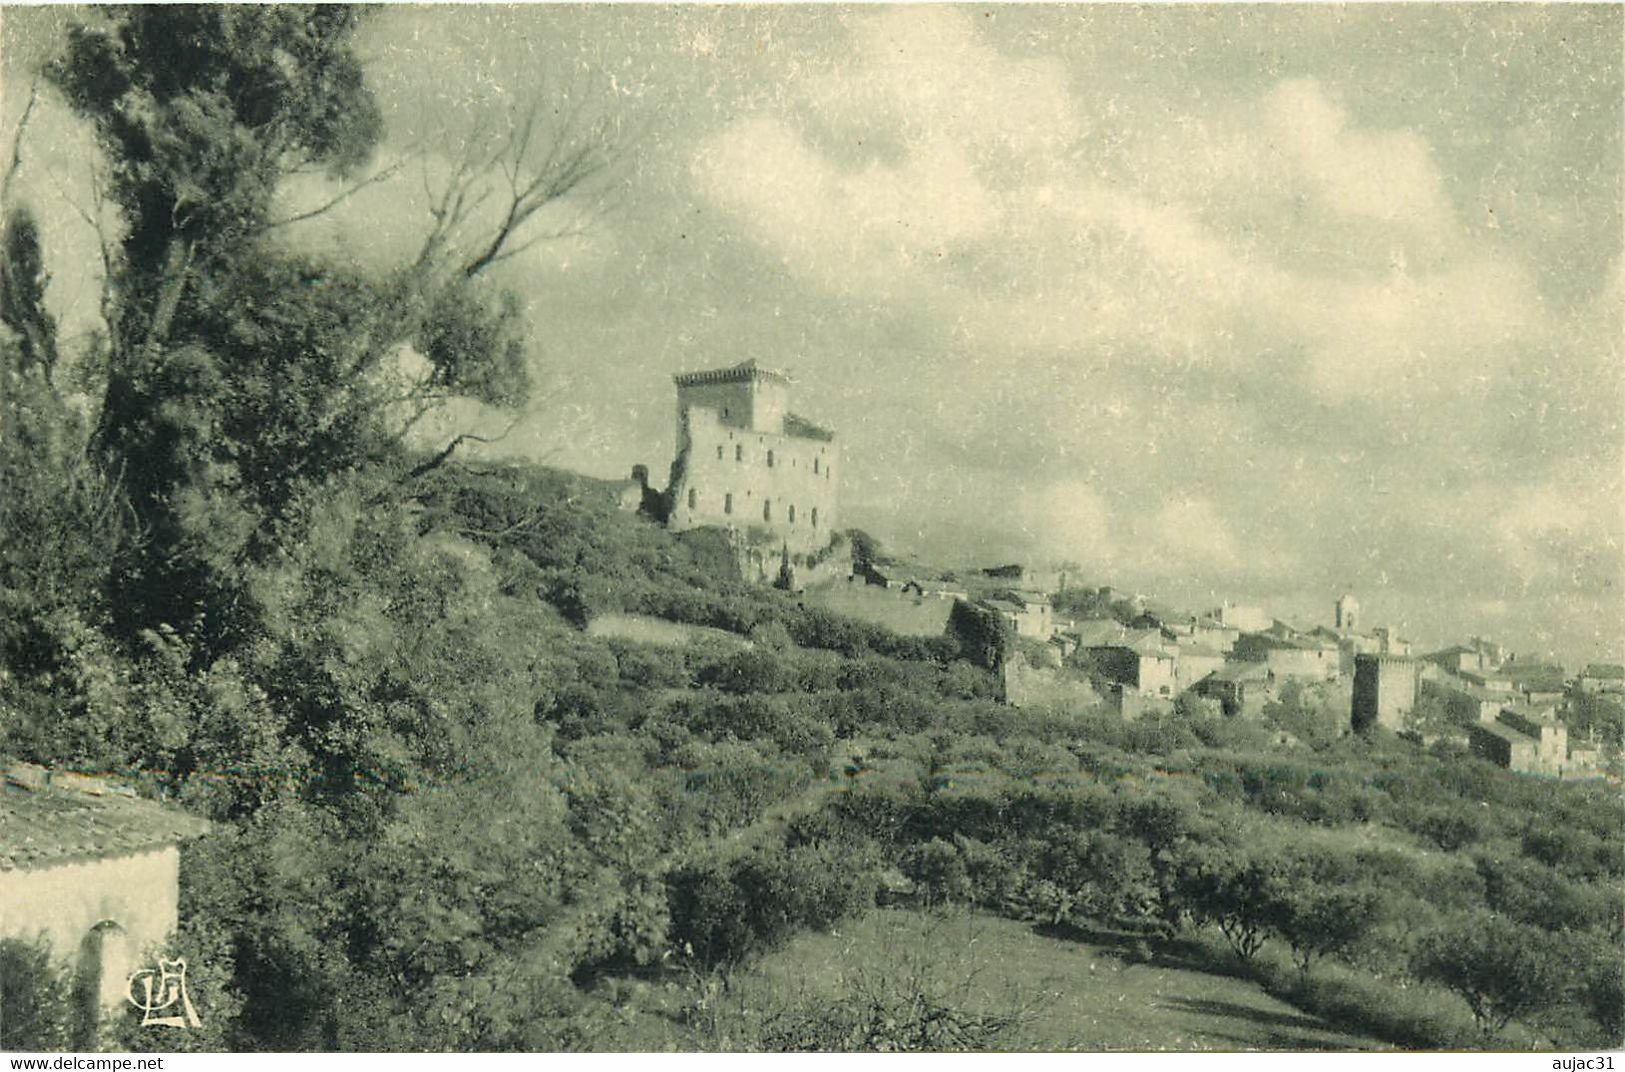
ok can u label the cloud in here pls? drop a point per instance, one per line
(1385, 175)
(922, 75)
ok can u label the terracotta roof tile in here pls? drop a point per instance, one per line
(45, 827)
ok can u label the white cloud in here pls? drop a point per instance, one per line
(1383, 175)
(921, 75)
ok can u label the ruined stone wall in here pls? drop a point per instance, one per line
(1025, 685)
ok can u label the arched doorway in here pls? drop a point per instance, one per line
(101, 976)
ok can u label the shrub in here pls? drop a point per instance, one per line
(35, 1011)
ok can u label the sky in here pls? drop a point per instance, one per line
(1257, 303)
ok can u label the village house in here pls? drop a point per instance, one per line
(1214, 634)
(1601, 678)
(1523, 738)
(1464, 702)
(1028, 613)
(1045, 582)
(1193, 662)
(1242, 688)
(1461, 658)
(1493, 680)
(91, 871)
(1242, 619)
(1290, 656)
(1140, 661)
(1389, 642)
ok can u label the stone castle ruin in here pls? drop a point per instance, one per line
(747, 464)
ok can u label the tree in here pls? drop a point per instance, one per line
(1502, 969)
(865, 548)
(34, 993)
(1317, 919)
(1240, 891)
(239, 375)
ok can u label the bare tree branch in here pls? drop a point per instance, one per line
(383, 175)
(444, 454)
(17, 142)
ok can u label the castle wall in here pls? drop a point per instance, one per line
(1384, 691)
(723, 477)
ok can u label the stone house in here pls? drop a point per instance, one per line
(1290, 656)
(90, 870)
(1242, 619)
(1601, 677)
(1140, 661)
(1464, 702)
(1524, 738)
(1028, 613)
(1193, 662)
(1242, 688)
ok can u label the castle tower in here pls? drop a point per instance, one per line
(746, 463)
(1348, 614)
(1385, 688)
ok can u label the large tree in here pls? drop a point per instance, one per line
(239, 374)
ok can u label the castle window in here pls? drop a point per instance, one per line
(770, 457)
(767, 509)
(739, 452)
(728, 503)
(719, 452)
(693, 497)
(815, 517)
(792, 513)
(815, 466)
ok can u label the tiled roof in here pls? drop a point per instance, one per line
(1604, 671)
(80, 818)
(1506, 733)
(1238, 671)
(1139, 641)
(1095, 632)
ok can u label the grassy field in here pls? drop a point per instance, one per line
(643, 629)
(1070, 994)
(904, 614)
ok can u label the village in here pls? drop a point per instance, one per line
(741, 450)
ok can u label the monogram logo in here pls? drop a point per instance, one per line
(163, 990)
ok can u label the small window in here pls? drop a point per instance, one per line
(739, 452)
(719, 452)
(724, 411)
(826, 474)
(693, 497)
(815, 466)
(770, 457)
(767, 509)
(728, 503)
(792, 513)
(815, 517)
